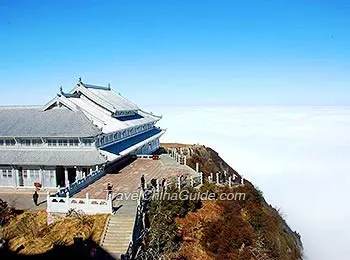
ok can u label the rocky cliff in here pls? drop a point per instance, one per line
(221, 229)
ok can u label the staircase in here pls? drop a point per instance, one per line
(119, 231)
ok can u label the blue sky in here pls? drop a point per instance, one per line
(178, 52)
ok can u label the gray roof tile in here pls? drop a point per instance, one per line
(34, 122)
(54, 157)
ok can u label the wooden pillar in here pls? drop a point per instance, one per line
(197, 167)
(217, 178)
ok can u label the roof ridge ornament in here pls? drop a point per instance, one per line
(79, 80)
(61, 90)
(109, 86)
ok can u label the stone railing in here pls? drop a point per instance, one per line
(138, 227)
(86, 205)
(80, 184)
(178, 156)
(145, 156)
(196, 181)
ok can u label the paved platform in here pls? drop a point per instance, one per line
(24, 200)
(128, 178)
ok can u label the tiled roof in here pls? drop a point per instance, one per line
(64, 157)
(34, 122)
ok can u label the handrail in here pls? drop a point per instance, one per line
(80, 184)
(138, 226)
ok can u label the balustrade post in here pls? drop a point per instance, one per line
(110, 203)
(217, 178)
(230, 181)
(48, 202)
(86, 198)
(201, 177)
(67, 201)
(66, 179)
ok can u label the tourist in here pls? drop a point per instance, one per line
(35, 198)
(163, 184)
(109, 189)
(143, 182)
(234, 176)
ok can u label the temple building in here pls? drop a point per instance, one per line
(72, 135)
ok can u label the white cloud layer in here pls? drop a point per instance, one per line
(298, 156)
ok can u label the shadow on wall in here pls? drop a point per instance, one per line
(81, 249)
(120, 164)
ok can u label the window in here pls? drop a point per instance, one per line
(65, 142)
(60, 142)
(9, 142)
(87, 142)
(36, 142)
(6, 173)
(1, 142)
(31, 174)
(52, 142)
(27, 142)
(76, 142)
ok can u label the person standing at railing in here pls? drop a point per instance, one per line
(163, 184)
(143, 182)
(109, 189)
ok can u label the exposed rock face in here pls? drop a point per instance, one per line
(245, 229)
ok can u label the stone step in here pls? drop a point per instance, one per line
(121, 228)
(112, 237)
(122, 219)
(118, 233)
(115, 239)
(121, 223)
(116, 248)
(115, 220)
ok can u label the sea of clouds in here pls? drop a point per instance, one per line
(298, 156)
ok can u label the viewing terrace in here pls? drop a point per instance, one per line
(127, 179)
